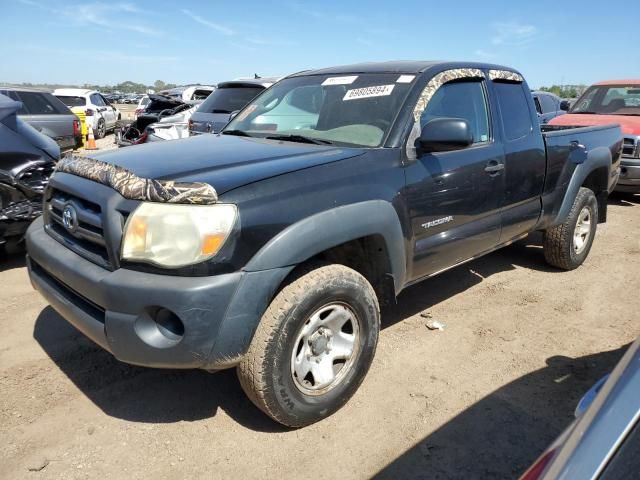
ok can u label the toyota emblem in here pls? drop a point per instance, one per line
(69, 218)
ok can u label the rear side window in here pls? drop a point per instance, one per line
(549, 103)
(229, 99)
(38, 103)
(14, 96)
(70, 101)
(466, 100)
(514, 107)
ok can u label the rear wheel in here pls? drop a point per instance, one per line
(567, 245)
(313, 347)
(101, 129)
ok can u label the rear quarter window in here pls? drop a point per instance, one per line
(514, 109)
(72, 101)
(40, 103)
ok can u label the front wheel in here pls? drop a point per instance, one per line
(567, 245)
(313, 347)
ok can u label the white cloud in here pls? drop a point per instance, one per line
(484, 54)
(106, 15)
(223, 29)
(513, 33)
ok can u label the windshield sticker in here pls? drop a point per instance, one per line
(405, 78)
(242, 115)
(368, 92)
(340, 80)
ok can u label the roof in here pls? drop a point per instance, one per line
(73, 91)
(398, 66)
(22, 89)
(635, 82)
(262, 81)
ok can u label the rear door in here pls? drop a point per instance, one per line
(525, 158)
(452, 199)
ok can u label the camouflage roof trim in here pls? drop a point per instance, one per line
(440, 79)
(505, 75)
(131, 186)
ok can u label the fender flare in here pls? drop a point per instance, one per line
(331, 228)
(588, 162)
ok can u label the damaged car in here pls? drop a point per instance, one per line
(159, 109)
(27, 159)
(230, 97)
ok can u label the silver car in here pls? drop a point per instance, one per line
(48, 115)
(604, 440)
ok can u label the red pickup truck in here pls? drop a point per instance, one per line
(613, 101)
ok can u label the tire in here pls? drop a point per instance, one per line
(562, 247)
(292, 336)
(101, 129)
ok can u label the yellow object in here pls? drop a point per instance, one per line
(79, 112)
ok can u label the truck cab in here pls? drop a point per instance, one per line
(270, 246)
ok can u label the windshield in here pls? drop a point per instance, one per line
(229, 99)
(70, 101)
(349, 109)
(609, 100)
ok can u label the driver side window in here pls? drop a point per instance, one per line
(461, 99)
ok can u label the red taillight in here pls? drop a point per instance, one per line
(537, 469)
(76, 128)
(89, 112)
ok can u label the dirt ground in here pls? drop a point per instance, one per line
(480, 399)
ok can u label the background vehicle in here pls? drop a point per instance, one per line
(609, 102)
(549, 105)
(215, 112)
(48, 115)
(27, 159)
(100, 114)
(604, 440)
(159, 107)
(142, 105)
(189, 93)
(280, 270)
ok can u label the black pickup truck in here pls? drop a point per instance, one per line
(270, 246)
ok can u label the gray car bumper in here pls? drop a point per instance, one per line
(148, 319)
(629, 180)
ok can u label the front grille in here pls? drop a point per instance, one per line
(86, 238)
(630, 147)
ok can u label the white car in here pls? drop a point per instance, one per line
(142, 104)
(100, 114)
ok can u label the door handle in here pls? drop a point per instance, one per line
(494, 167)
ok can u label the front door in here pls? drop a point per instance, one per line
(453, 198)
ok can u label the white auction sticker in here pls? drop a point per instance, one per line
(340, 80)
(405, 78)
(367, 92)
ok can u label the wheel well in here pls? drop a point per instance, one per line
(369, 257)
(598, 182)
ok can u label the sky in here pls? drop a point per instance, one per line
(188, 41)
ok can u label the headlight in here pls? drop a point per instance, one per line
(172, 235)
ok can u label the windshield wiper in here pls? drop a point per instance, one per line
(217, 110)
(299, 138)
(239, 133)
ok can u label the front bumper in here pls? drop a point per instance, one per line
(629, 180)
(116, 309)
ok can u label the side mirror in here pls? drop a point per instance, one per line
(565, 105)
(443, 135)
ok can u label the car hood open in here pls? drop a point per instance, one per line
(225, 162)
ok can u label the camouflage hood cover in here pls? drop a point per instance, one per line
(133, 187)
